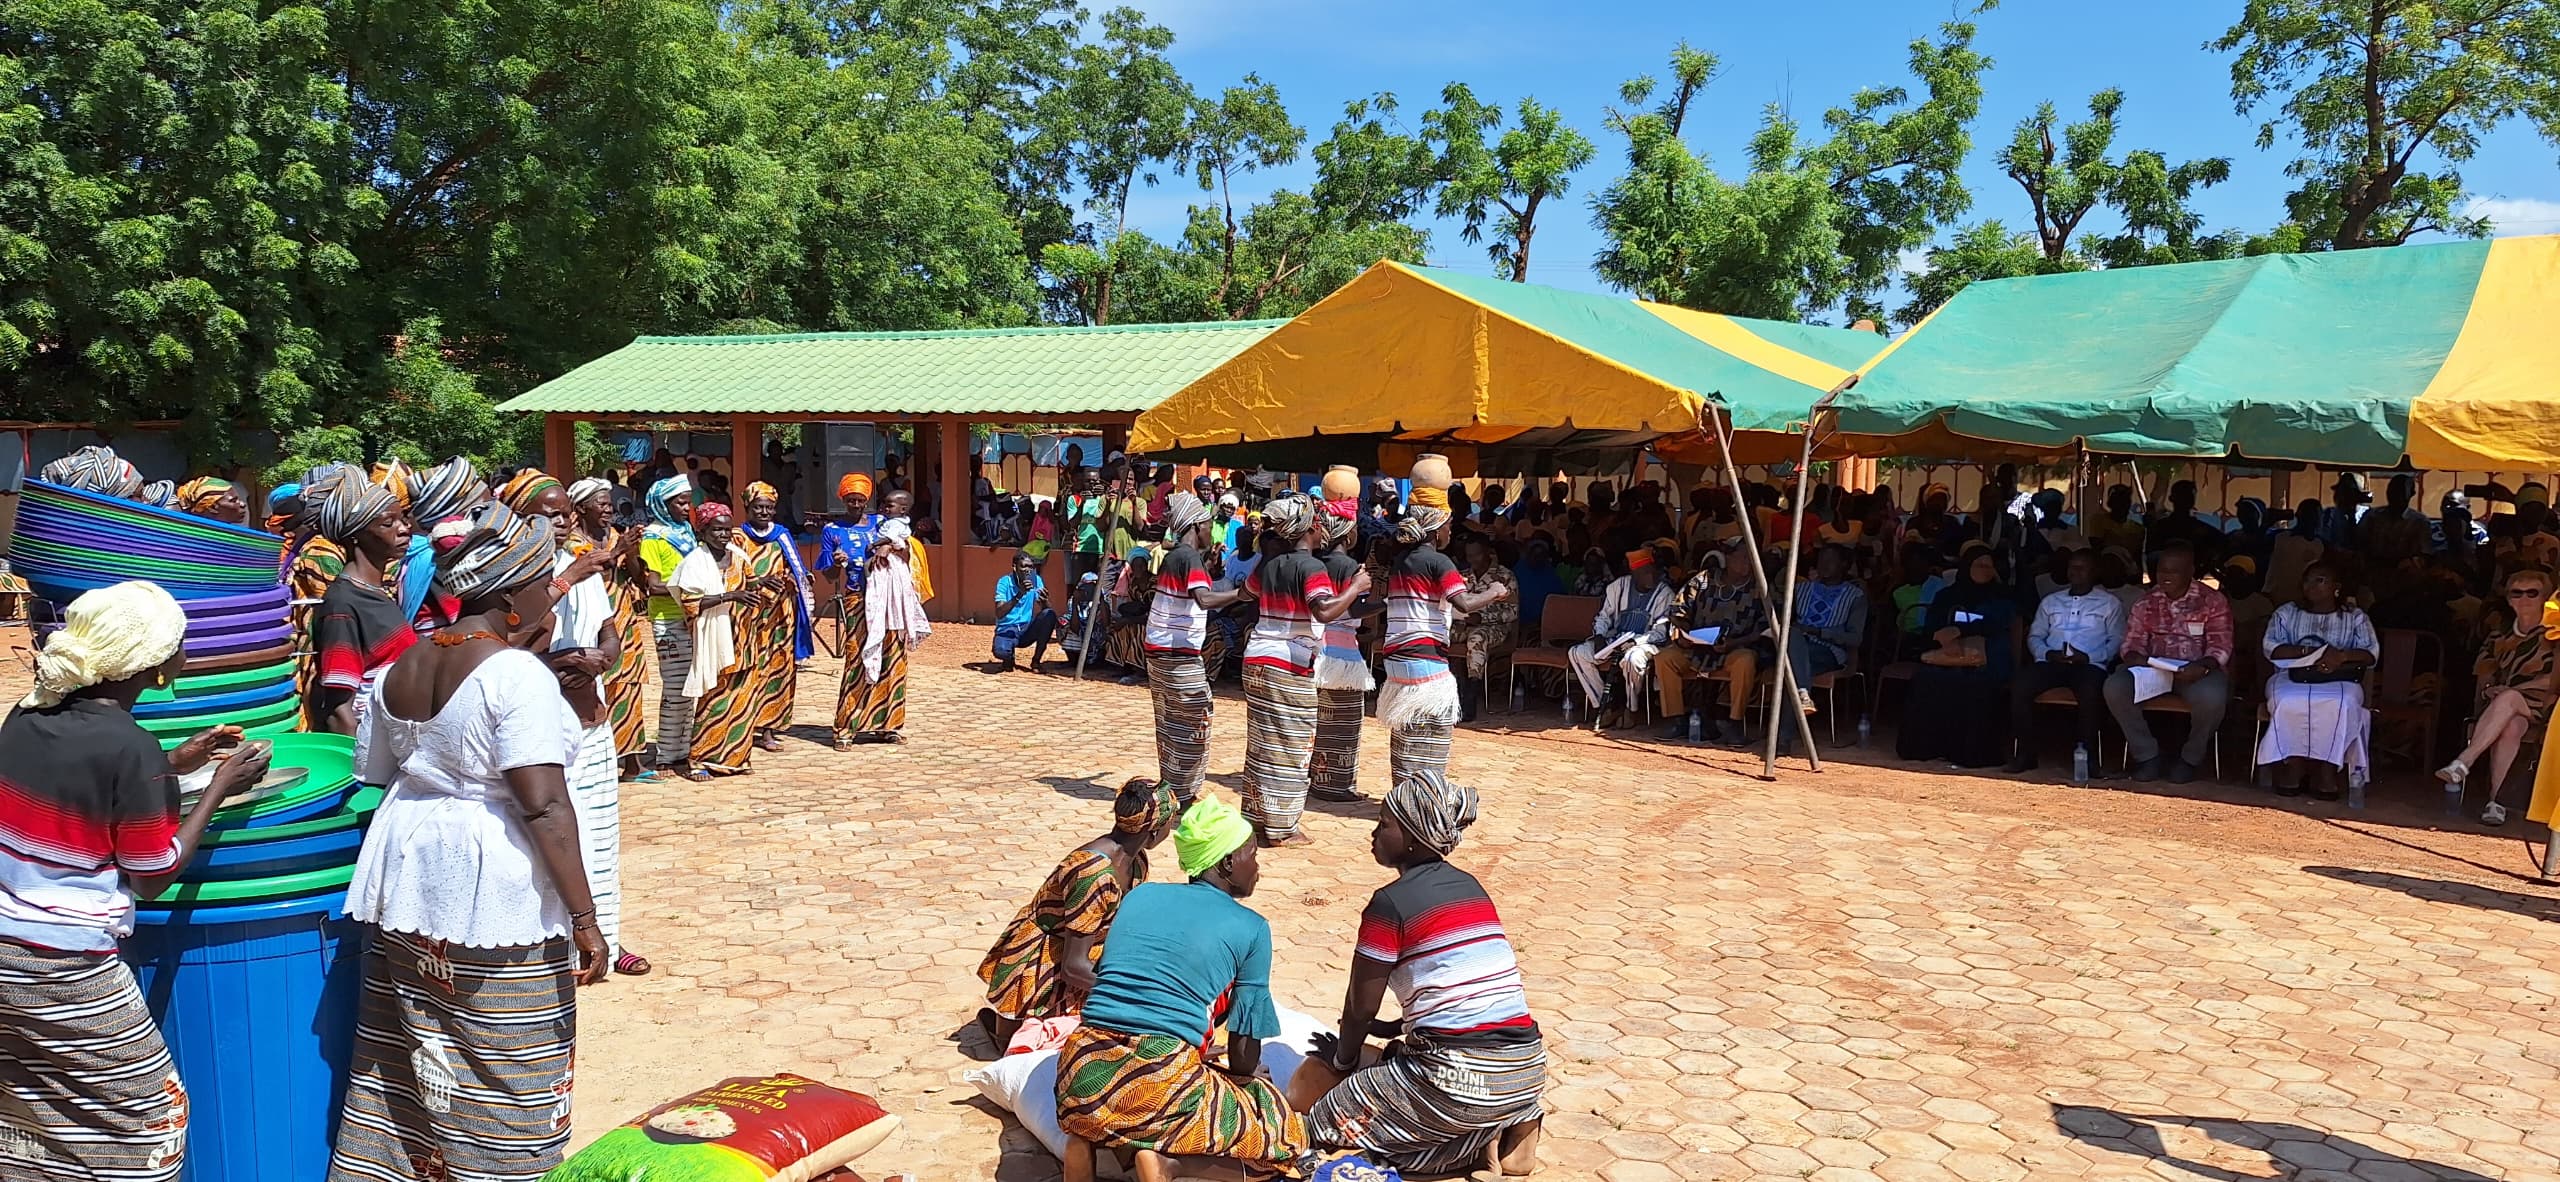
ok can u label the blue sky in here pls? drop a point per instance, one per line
(1805, 54)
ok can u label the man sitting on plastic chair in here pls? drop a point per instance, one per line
(1623, 640)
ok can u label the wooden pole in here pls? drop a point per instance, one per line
(1093, 616)
(746, 456)
(953, 508)
(1760, 576)
(1790, 694)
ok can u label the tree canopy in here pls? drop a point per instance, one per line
(355, 226)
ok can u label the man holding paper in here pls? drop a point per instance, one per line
(1718, 623)
(2073, 642)
(1622, 639)
(2177, 640)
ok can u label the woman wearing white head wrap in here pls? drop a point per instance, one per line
(91, 792)
(474, 882)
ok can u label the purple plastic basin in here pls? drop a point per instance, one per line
(269, 599)
(233, 642)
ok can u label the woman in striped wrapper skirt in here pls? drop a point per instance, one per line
(1461, 1090)
(626, 684)
(475, 887)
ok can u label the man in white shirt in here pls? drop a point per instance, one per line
(1630, 612)
(2077, 633)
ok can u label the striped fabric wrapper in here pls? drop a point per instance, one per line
(462, 1063)
(1152, 1091)
(87, 1091)
(1183, 701)
(865, 705)
(1433, 1108)
(1279, 743)
(1417, 747)
(1334, 771)
(724, 722)
(675, 711)
(595, 793)
(766, 635)
(626, 685)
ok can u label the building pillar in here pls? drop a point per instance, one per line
(560, 448)
(746, 456)
(952, 503)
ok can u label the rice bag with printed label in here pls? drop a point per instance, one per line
(778, 1128)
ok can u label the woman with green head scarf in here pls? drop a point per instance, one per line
(1132, 1076)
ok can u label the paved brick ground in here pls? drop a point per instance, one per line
(1827, 978)
(1874, 973)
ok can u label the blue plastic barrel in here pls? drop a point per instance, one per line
(258, 1004)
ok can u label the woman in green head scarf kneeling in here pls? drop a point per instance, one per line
(1134, 1075)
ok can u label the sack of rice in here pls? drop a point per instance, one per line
(779, 1128)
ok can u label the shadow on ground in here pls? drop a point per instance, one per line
(2243, 1149)
(2441, 891)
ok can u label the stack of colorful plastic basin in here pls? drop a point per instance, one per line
(248, 961)
(69, 541)
(252, 968)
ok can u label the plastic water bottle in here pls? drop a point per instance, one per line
(1697, 727)
(2355, 792)
(2080, 764)
(1866, 731)
(1519, 697)
(2453, 800)
(1568, 705)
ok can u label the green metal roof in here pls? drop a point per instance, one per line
(1025, 374)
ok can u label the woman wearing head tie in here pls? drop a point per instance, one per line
(474, 885)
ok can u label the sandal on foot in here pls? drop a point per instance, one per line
(2454, 773)
(844, 744)
(631, 964)
(698, 776)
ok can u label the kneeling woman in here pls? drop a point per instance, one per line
(1133, 1077)
(1042, 967)
(1461, 1090)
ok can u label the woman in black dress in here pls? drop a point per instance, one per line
(1959, 701)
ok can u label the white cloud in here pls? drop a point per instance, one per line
(2517, 215)
(1913, 261)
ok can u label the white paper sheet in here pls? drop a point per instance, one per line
(2150, 682)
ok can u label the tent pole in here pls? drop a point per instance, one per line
(1791, 695)
(1750, 546)
(1110, 526)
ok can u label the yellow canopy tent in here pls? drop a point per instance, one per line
(1498, 373)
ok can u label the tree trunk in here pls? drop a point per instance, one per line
(2364, 193)
(1528, 230)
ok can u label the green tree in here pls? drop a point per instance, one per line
(1244, 130)
(1675, 232)
(1985, 250)
(1894, 163)
(1370, 170)
(176, 214)
(2067, 172)
(2387, 99)
(1532, 161)
(1124, 110)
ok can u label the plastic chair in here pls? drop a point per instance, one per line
(1566, 620)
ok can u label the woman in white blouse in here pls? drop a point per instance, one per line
(2318, 727)
(472, 880)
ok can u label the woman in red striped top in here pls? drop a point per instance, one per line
(1459, 1089)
